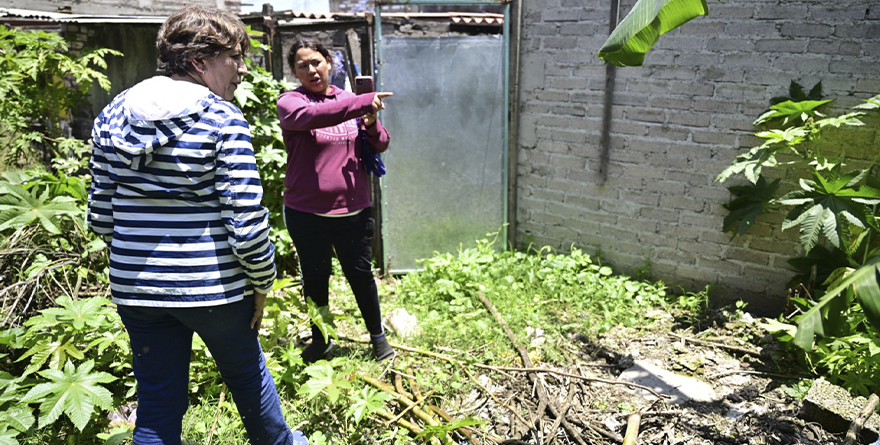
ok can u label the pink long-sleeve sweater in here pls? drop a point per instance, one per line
(324, 171)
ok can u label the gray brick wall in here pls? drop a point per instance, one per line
(677, 122)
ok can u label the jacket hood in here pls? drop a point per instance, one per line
(154, 112)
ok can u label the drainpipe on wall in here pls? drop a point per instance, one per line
(610, 70)
(513, 143)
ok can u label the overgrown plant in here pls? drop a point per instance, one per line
(42, 84)
(46, 249)
(60, 364)
(835, 210)
(577, 294)
(256, 96)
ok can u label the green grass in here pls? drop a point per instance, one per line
(563, 295)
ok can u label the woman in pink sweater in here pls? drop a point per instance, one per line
(327, 190)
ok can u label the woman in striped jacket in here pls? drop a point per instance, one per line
(176, 197)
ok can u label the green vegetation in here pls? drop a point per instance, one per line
(70, 364)
(642, 27)
(41, 84)
(835, 209)
(256, 96)
(65, 374)
(563, 294)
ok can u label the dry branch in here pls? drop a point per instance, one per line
(527, 362)
(452, 360)
(852, 435)
(717, 345)
(407, 402)
(632, 428)
(565, 406)
(409, 426)
(216, 417)
(580, 377)
(408, 408)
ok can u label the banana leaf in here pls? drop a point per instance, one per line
(865, 281)
(645, 23)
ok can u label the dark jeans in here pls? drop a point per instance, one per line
(316, 237)
(161, 344)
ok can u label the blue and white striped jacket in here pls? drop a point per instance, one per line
(176, 195)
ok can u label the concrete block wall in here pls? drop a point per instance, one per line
(677, 122)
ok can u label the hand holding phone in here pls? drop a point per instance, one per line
(363, 84)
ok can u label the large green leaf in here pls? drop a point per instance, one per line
(645, 23)
(867, 289)
(827, 205)
(791, 111)
(322, 377)
(78, 314)
(73, 391)
(57, 352)
(21, 207)
(366, 403)
(750, 201)
(19, 417)
(8, 437)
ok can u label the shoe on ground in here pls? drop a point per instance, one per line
(382, 350)
(317, 350)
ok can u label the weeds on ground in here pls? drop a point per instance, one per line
(545, 297)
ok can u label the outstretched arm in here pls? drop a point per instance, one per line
(298, 113)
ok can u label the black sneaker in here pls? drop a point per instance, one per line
(381, 349)
(317, 350)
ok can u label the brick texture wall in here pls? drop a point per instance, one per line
(677, 122)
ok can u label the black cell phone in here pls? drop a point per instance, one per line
(363, 84)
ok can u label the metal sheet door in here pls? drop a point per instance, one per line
(445, 186)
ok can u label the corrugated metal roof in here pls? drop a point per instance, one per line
(77, 18)
(472, 20)
(291, 15)
(466, 18)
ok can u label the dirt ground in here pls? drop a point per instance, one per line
(747, 369)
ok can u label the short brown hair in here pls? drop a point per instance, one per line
(198, 31)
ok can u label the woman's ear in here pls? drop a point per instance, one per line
(198, 64)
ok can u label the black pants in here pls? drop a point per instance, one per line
(316, 237)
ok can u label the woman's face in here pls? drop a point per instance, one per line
(223, 73)
(312, 70)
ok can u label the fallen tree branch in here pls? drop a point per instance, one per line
(761, 373)
(718, 345)
(216, 417)
(527, 363)
(632, 428)
(489, 393)
(406, 401)
(852, 435)
(408, 408)
(452, 360)
(599, 429)
(464, 430)
(580, 377)
(407, 425)
(565, 407)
